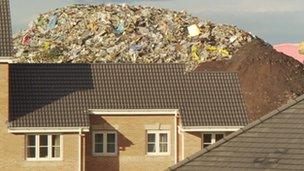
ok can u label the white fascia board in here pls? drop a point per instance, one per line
(48, 130)
(6, 59)
(130, 112)
(210, 128)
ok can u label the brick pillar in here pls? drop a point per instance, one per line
(4, 94)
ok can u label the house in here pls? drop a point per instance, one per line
(273, 142)
(112, 115)
(109, 116)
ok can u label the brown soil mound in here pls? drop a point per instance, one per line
(268, 78)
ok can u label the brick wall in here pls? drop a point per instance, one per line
(131, 132)
(4, 92)
(192, 143)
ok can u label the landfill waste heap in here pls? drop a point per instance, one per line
(125, 34)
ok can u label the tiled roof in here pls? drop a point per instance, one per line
(5, 29)
(273, 142)
(60, 95)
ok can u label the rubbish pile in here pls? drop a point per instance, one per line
(123, 33)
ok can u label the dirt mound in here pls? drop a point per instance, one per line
(268, 78)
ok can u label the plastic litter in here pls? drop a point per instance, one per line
(135, 48)
(233, 39)
(224, 53)
(26, 40)
(53, 22)
(120, 28)
(122, 33)
(194, 52)
(193, 30)
(47, 46)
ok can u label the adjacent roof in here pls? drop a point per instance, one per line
(5, 29)
(290, 49)
(273, 142)
(60, 95)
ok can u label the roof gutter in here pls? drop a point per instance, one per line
(47, 129)
(80, 152)
(210, 128)
(133, 112)
(176, 137)
(6, 59)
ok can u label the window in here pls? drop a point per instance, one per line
(55, 146)
(151, 143)
(157, 142)
(211, 138)
(207, 140)
(43, 147)
(31, 146)
(104, 143)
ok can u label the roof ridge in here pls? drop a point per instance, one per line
(181, 64)
(236, 133)
(208, 71)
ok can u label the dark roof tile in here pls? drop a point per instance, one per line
(53, 95)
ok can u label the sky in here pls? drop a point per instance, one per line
(275, 21)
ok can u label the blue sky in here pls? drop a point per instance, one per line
(276, 21)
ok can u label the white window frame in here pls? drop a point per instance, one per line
(37, 148)
(104, 153)
(157, 142)
(212, 137)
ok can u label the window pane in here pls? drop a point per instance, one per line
(207, 138)
(56, 152)
(98, 138)
(163, 148)
(43, 140)
(151, 148)
(56, 140)
(163, 137)
(206, 145)
(218, 137)
(151, 137)
(98, 148)
(110, 138)
(31, 152)
(43, 152)
(111, 148)
(31, 140)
